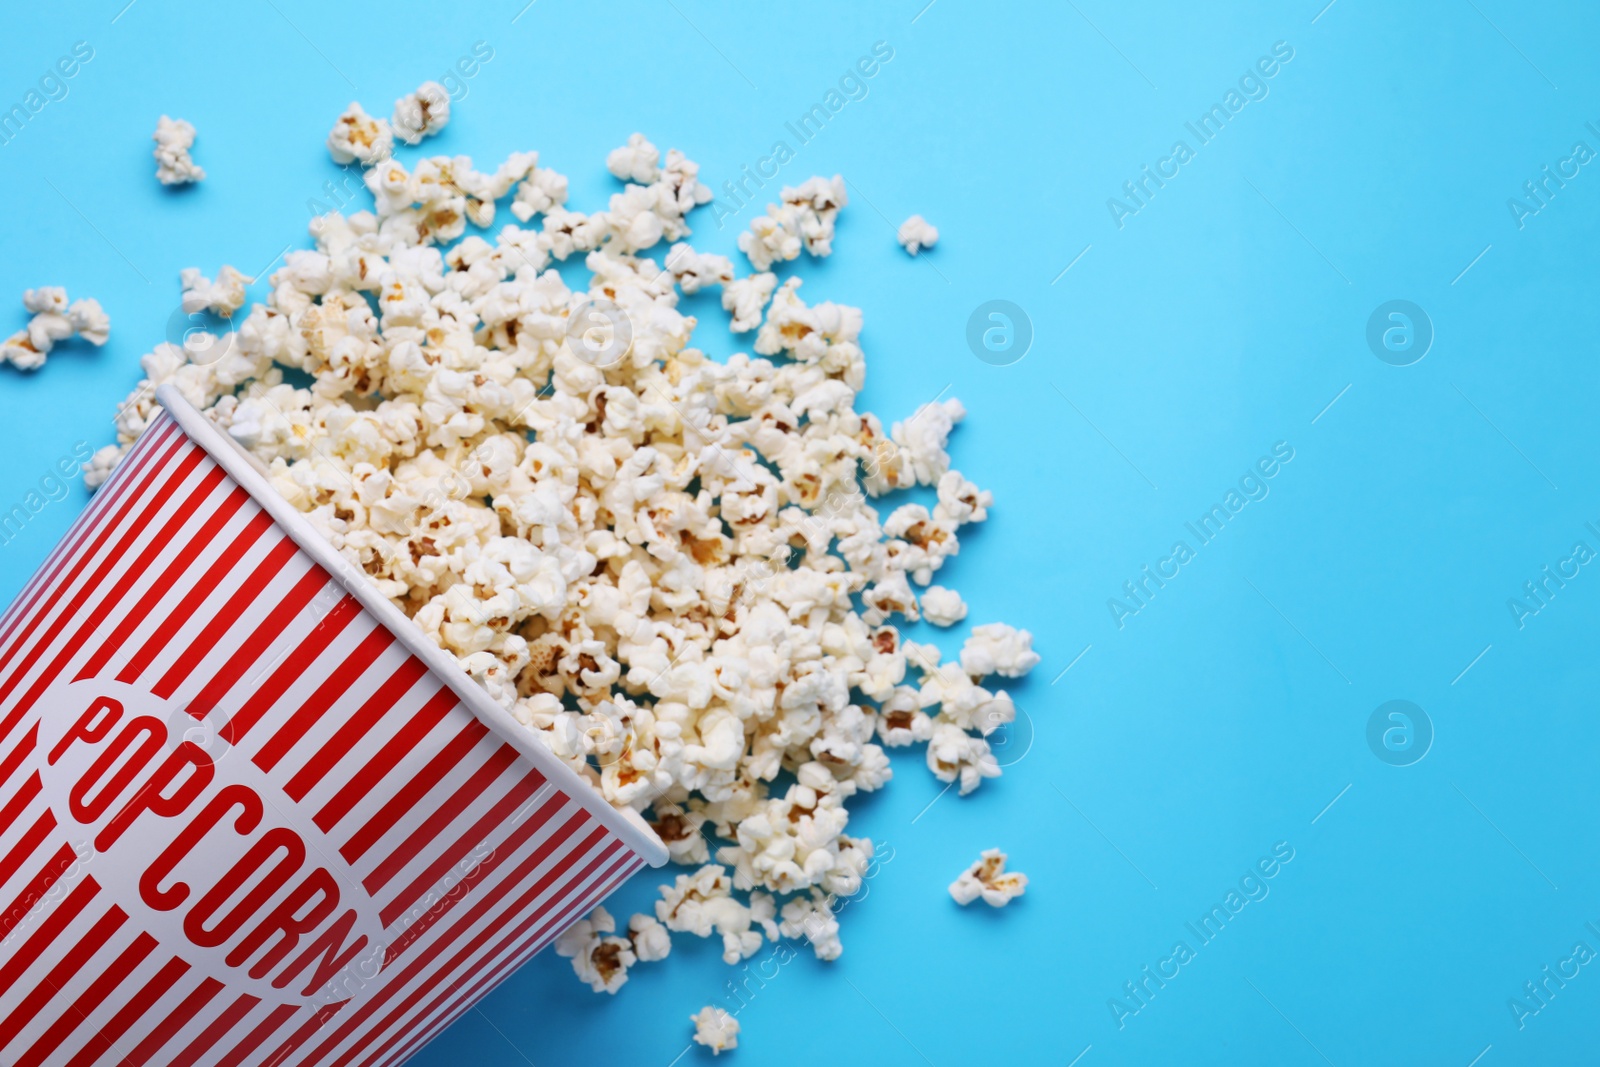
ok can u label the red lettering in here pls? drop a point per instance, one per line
(286, 920)
(333, 958)
(227, 798)
(154, 735)
(92, 726)
(273, 841)
(152, 798)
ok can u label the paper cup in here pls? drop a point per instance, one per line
(249, 814)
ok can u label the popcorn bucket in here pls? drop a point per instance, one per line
(249, 813)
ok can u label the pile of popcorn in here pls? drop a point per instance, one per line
(54, 319)
(666, 566)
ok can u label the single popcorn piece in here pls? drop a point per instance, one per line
(694, 271)
(891, 596)
(45, 300)
(101, 464)
(19, 351)
(915, 234)
(811, 918)
(960, 501)
(715, 1029)
(680, 830)
(174, 138)
(359, 138)
(901, 720)
(598, 959)
(635, 161)
(996, 648)
(422, 113)
(747, 299)
(223, 296)
(89, 321)
(956, 756)
(989, 880)
(942, 607)
(651, 941)
(922, 439)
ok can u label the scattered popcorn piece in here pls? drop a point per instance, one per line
(943, 607)
(53, 320)
(694, 271)
(922, 439)
(702, 904)
(817, 202)
(988, 879)
(747, 299)
(771, 238)
(600, 960)
(960, 501)
(541, 192)
(995, 648)
(891, 596)
(174, 138)
(915, 234)
(964, 703)
(901, 720)
(680, 830)
(920, 541)
(804, 218)
(651, 942)
(101, 464)
(422, 113)
(223, 296)
(635, 161)
(45, 300)
(955, 755)
(90, 321)
(811, 917)
(358, 137)
(715, 1029)
(19, 351)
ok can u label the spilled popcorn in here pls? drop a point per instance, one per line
(804, 219)
(174, 138)
(53, 320)
(358, 137)
(943, 607)
(716, 1030)
(422, 113)
(915, 234)
(667, 566)
(603, 960)
(988, 879)
(221, 297)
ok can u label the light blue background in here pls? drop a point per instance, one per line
(1224, 317)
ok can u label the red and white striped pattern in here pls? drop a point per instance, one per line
(176, 582)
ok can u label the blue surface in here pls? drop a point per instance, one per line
(1222, 317)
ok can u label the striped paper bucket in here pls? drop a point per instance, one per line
(249, 814)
